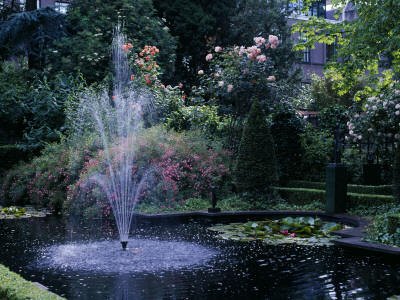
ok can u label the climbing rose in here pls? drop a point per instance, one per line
(271, 78)
(201, 72)
(220, 83)
(217, 49)
(230, 87)
(209, 57)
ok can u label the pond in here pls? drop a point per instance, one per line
(181, 259)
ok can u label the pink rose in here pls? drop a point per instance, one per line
(209, 57)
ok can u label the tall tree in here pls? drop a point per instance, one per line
(256, 163)
(197, 24)
(91, 24)
(369, 41)
(31, 33)
(254, 18)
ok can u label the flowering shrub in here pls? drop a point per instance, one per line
(238, 75)
(174, 108)
(181, 167)
(380, 118)
(44, 181)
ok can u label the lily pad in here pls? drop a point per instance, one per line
(301, 230)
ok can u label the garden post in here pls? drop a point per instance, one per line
(336, 188)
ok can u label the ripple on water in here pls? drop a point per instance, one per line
(142, 255)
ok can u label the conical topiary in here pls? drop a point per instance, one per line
(396, 175)
(256, 164)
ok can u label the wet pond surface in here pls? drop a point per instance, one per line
(181, 259)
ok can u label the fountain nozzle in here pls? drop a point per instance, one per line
(124, 245)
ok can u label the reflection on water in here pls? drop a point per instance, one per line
(179, 260)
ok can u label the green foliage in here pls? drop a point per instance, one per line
(317, 150)
(324, 93)
(355, 200)
(31, 32)
(301, 196)
(181, 165)
(393, 223)
(286, 129)
(42, 182)
(46, 109)
(14, 88)
(333, 117)
(396, 175)
(10, 155)
(14, 287)
(379, 231)
(302, 230)
(91, 24)
(253, 18)
(196, 24)
(351, 188)
(256, 163)
(372, 39)
(353, 161)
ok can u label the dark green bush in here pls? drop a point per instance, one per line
(286, 129)
(317, 151)
(393, 223)
(256, 164)
(333, 116)
(351, 188)
(301, 196)
(10, 155)
(297, 196)
(370, 189)
(14, 287)
(368, 200)
(306, 184)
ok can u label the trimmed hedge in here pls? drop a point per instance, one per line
(351, 188)
(14, 287)
(306, 184)
(298, 196)
(354, 200)
(393, 223)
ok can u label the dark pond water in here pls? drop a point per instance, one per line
(171, 259)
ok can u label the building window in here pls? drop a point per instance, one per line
(317, 8)
(22, 5)
(330, 51)
(61, 7)
(306, 52)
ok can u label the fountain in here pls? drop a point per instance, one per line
(116, 120)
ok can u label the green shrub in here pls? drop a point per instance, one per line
(286, 128)
(379, 231)
(300, 196)
(14, 287)
(352, 159)
(10, 155)
(297, 196)
(182, 166)
(256, 164)
(351, 188)
(317, 150)
(393, 223)
(370, 189)
(355, 200)
(306, 184)
(333, 116)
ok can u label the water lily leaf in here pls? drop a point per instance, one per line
(288, 221)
